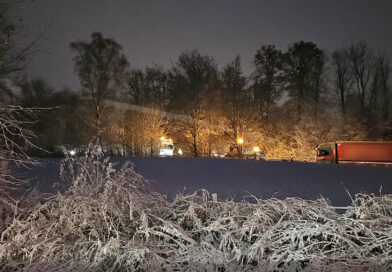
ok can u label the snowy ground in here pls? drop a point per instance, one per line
(237, 178)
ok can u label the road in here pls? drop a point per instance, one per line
(233, 179)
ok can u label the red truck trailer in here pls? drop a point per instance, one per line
(356, 153)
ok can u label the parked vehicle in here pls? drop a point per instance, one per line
(356, 153)
(166, 147)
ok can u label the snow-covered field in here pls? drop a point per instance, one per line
(110, 220)
(238, 178)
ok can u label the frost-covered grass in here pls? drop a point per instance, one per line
(110, 221)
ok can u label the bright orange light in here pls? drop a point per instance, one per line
(256, 149)
(162, 138)
(240, 141)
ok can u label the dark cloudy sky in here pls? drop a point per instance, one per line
(158, 31)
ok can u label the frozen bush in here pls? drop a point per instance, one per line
(15, 138)
(109, 220)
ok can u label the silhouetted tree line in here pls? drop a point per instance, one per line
(291, 102)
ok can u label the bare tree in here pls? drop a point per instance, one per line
(15, 135)
(192, 83)
(383, 69)
(304, 65)
(360, 63)
(342, 78)
(234, 93)
(14, 50)
(12, 58)
(101, 67)
(136, 87)
(148, 87)
(15, 139)
(267, 78)
(316, 80)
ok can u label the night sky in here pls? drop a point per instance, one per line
(158, 31)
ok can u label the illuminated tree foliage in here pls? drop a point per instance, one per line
(285, 106)
(236, 99)
(193, 83)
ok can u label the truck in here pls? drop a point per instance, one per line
(355, 153)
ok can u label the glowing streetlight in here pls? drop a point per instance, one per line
(256, 149)
(240, 141)
(162, 138)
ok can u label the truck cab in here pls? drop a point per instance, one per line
(325, 153)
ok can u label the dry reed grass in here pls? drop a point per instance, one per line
(110, 221)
